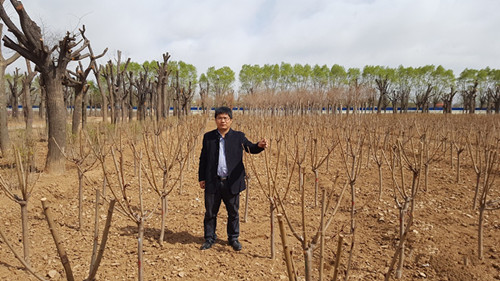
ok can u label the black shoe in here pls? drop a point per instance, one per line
(236, 245)
(206, 245)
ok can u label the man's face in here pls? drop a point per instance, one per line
(223, 122)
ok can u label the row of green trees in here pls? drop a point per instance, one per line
(373, 86)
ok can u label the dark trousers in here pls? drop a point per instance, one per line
(212, 205)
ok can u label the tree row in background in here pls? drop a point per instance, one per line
(304, 87)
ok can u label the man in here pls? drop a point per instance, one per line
(222, 175)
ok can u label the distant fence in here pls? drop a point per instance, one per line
(324, 109)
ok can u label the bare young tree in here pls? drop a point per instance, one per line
(488, 162)
(377, 144)
(164, 152)
(120, 188)
(81, 155)
(317, 160)
(404, 160)
(26, 183)
(351, 150)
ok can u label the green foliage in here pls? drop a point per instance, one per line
(301, 75)
(221, 79)
(352, 76)
(320, 77)
(186, 72)
(203, 78)
(270, 76)
(251, 78)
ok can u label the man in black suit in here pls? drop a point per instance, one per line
(222, 175)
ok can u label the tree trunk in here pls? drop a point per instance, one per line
(399, 270)
(25, 230)
(56, 113)
(77, 112)
(4, 130)
(85, 101)
(28, 118)
(308, 264)
(480, 247)
(28, 109)
(164, 206)
(272, 212)
(140, 258)
(42, 107)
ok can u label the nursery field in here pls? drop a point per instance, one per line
(381, 183)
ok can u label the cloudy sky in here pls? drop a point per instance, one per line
(457, 34)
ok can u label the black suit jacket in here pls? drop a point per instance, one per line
(235, 143)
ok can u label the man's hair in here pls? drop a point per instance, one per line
(224, 110)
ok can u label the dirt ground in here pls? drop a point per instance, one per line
(442, 244)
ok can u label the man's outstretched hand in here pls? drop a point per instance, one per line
(262, 143)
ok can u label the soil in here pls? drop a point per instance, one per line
(441, 245)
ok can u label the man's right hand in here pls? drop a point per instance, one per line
(202, 184)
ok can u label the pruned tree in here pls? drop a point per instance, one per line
(52, 64)
(15, 93)
(204, 85)
(97, 69)
(78, 80)
(4, 132)
(162, 103)
(144, 89)
(27, 99)
(115, 80)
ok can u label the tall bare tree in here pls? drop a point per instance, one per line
(4, 132)
(15, 93)
(115, 79)
(52, 63)
(162, 103)
(78, 80)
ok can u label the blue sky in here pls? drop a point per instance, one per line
(457, 34)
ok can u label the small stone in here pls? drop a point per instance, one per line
(181, 274)
(423, 275)
(52, 273)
